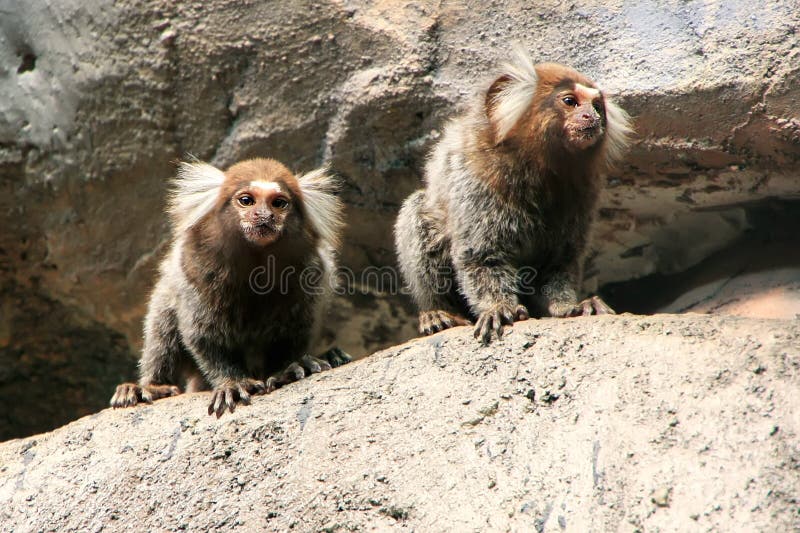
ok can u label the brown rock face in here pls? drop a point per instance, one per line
(669, 423)
(99, 98)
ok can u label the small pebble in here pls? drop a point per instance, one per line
(660, 496)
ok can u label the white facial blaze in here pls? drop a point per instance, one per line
(267, 186)
(586, 93)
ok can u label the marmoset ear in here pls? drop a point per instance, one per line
(323, 207)
(193, 193)
(510, 95)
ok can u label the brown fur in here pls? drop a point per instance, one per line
(207, 321)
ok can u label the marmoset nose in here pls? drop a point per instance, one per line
(589, 113)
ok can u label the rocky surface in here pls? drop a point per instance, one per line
(626, 423)
(100, 97)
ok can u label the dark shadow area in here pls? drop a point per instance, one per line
(27, 64)
(56, 365)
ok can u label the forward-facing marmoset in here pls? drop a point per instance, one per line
(244, 285)
(499, 232)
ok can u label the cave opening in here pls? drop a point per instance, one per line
(758, 275)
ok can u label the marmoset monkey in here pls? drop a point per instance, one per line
(244, 285)
(510, 194)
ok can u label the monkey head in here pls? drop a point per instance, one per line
(258, 200)
(548, 109)
(262, 197)
(262, 209)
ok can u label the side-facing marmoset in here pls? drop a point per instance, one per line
(510, 194)
(243, 287)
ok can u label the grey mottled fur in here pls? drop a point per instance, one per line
(187, 337)
(461, 232)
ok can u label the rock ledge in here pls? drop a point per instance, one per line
(670, 422)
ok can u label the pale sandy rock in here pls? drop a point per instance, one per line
(663, 423)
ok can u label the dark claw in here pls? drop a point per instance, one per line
(298, 372)
(446, 321)
(488, 326)
(337, 357)
(215, 402)
(434, 321)
(230, 403)
(306, 366)
(496, 325)
(483, 329)
(293, 372)
(243, 397)
(145, 395)
(272, 384)
(478, 328)
(228, 395)
(591, 306)
(259, 387)
(602, 308)
(495, 318)
(314, 365)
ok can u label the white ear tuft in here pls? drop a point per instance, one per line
(193, 194)
(323, 208)
(618, 132)
(509, 104)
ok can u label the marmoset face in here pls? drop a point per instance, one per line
(582, 113)
(264, 197)
(263, 208)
